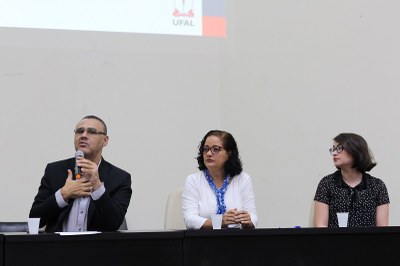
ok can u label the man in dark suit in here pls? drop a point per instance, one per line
(97, 201)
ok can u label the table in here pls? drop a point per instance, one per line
(279, 246)
(1, 250)
(131, 248)
(292, 246)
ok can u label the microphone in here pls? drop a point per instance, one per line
(78, 171)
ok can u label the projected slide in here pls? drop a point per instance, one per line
(178, 17)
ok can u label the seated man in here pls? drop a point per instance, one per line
(97, 201)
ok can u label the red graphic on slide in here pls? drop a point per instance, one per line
(183, 8)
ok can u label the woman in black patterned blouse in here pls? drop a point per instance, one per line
(350, 189)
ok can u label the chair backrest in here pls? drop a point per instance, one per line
(173, 219)
(311, 217)
(13, 226)
(123, 226)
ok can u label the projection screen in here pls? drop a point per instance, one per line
(177, 17)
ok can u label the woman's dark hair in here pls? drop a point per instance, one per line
(357, 147)
(234, 165)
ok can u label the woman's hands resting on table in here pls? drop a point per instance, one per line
(233, 216)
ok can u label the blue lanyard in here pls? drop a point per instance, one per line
(219, 193)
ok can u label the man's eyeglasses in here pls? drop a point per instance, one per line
(89, 131)
(338, 149)
(214, 149)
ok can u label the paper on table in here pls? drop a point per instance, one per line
(78, 233)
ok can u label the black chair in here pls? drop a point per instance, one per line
(13, 226)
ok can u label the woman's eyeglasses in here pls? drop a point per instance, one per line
(214, 149)
(338, 149)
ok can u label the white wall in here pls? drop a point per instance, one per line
(296, 74)
(290, 76)
(158, 96)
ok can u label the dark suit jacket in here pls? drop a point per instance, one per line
(105, 214)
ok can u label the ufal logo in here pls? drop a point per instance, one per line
(183, 8)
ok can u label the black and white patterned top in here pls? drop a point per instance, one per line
(360, 202)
